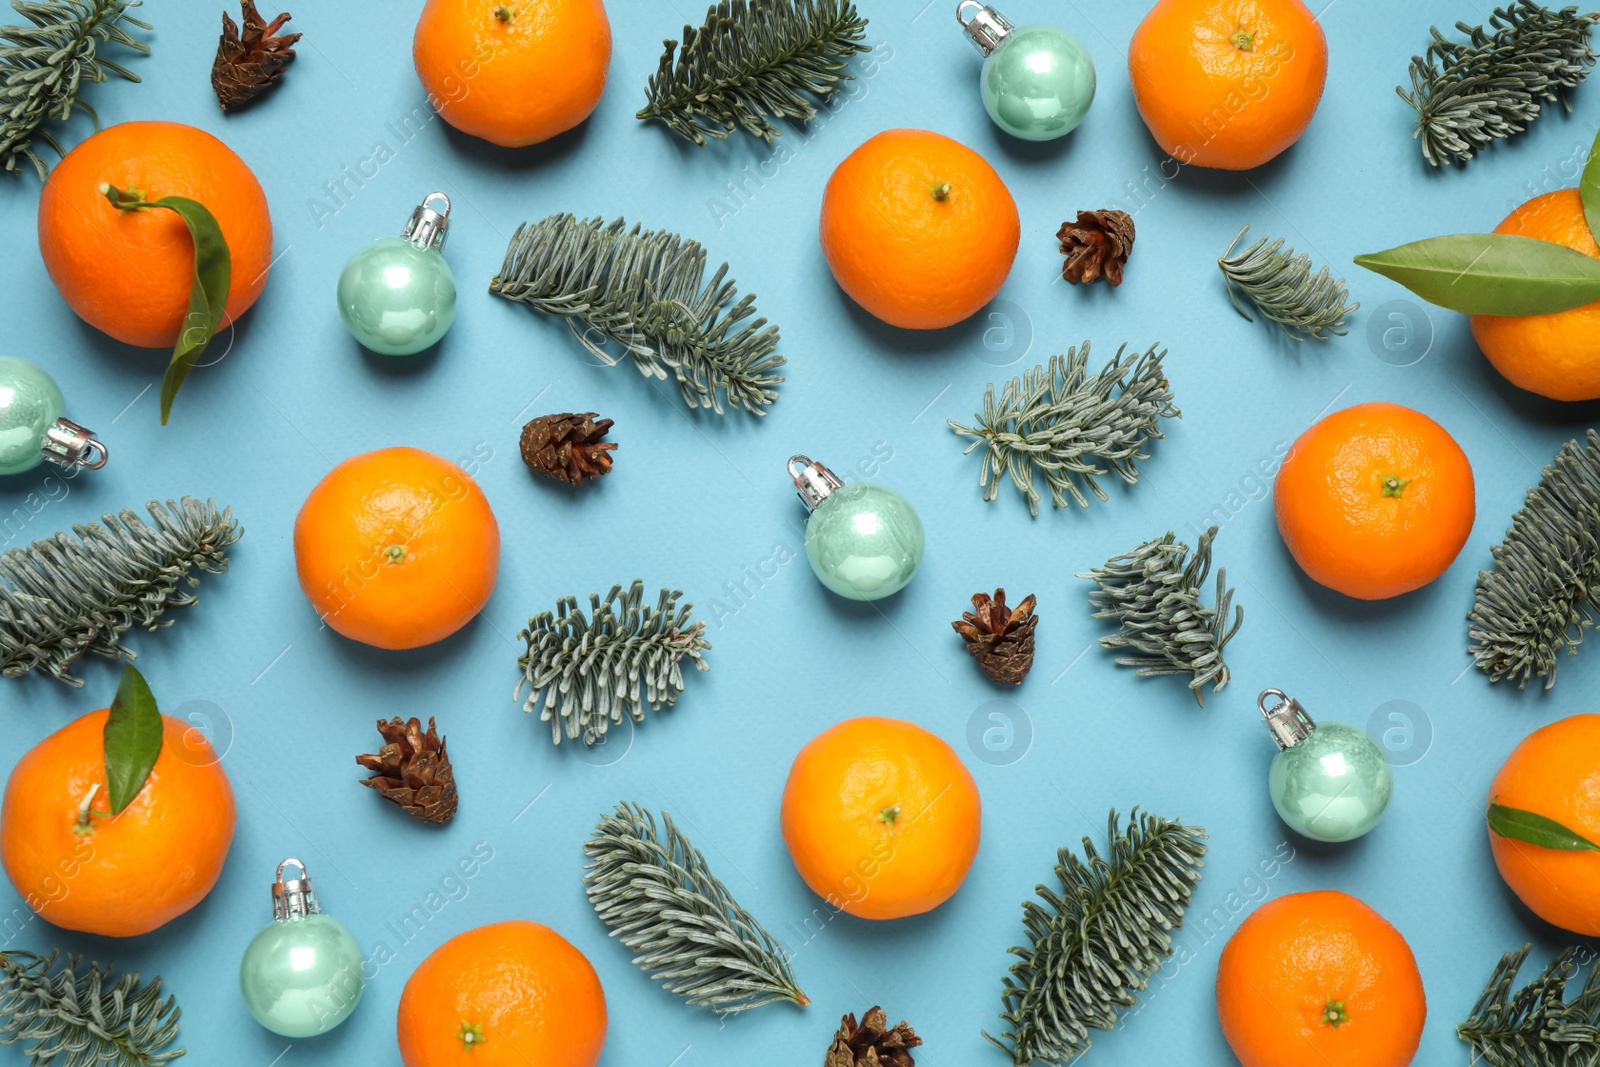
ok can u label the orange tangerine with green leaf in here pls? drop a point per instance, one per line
(1544, 823)
(120, 821)
(1532, 287)
(157, 234)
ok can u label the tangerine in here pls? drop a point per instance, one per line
(397, 548)
(881, 818)
(1554, 772)
(508, 994)
(129, 273)
(919, 229)
(1228, 83)
(1555, 355)
(1320, 978)
(126, 874)
(1375, 500)
(513, 74)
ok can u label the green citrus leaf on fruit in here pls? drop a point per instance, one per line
(132, 738)
(1535, 829)
(208, 291)
(1589, 189)
(1491, 273)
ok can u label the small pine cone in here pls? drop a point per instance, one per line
(872, 1043)
(1097, 244)
(567, 447)
(1000, 638)
(413, 770)
(250, 63)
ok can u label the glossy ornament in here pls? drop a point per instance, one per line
(864, 541)
(1329, 782)
(302, 975)
(397, 296)
(33, 426)
(1037, 81)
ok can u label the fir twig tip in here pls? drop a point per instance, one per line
(1280, 284)
(1538, 597)
(752, 62)
(1071, 427)
(644, 292)
(587, 671)
(1468, 94)
(1154, 593)
(1097, 938)
(44, 67)
(77, 593)
(657, 894)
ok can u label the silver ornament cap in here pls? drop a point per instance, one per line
(293, 897)
(1287, 718)
(427, 227)
(67, 444)
(813, 482)
(986, 28)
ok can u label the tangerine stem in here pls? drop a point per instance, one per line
(1335, 1013)
(1394, 485)
(940, 191)
(84, 824)
(505, 12)
(1243, 40)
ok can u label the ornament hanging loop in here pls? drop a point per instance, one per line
(293, 897)
(66, 444)
(813, 482)
(427, 226)
(985, 27)
(1287, 718)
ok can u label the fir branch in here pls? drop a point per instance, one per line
(1153, 593)
(1467, 94)
(1280, 284)
(1096, 941)
(83, 1018)
(44, 67)
(78, 593)
(588, 668)
(1063, 422)
(658, 896)
(754, 60)
(645, 292)
(1539, 596)
(1536, 1026)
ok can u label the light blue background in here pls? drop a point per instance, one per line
(698, 502)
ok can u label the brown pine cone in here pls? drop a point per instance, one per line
(567, 447)
(250, 63)
(1000, 638)
(872, 1043)
(413, 770)
(1096, 245)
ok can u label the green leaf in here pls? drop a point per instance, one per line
(208, 294)
(132, 738)
(208, 291)
(1589, 189)
(1491, 273)
(1540, 830)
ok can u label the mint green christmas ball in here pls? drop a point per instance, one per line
(302, 976)
(396, 297)
(1333, 786)
(30, 403)
(864, 541)
(1039, 83)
